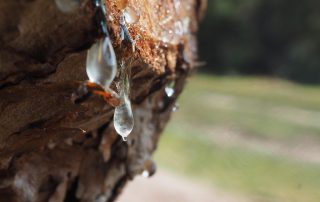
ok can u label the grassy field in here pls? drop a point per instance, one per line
(257, 137)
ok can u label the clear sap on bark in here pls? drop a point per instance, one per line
(123, 116)
(149, 168)
(101, 64)
(101, 198)
(125, 34)
(131, 16)
(67, 5)
(176, 107)
(101, 4)
(145, 174)
(169, 89)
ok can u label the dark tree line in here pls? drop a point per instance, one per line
(268, 37)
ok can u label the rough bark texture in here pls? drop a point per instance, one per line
(53, 148)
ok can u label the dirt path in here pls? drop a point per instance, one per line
(167, 187)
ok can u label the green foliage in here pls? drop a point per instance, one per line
(263, 37)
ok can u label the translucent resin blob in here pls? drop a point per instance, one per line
(125, 34)
(145, 174)
(131, 15)
(101, 64)
(67, 5)
(170, 89)
(176, 107)
(123, 116)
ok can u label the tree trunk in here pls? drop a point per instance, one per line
(54, 147)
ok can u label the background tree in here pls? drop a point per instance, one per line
(268, 37)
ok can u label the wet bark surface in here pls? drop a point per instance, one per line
(55, 147)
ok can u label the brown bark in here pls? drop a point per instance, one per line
(53, 148)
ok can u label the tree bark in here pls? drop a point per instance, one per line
(55, 148)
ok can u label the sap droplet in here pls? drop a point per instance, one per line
(111, 18)
(169, 89)
(131, 16)
(123, 118)
(67, 5)
(176, 107)
(185, 25)
(178, 28)
(125, 34)
(165, 36)
(101, 64)
(101, 4)
(177, 4)
(100, 15)
(145, 174)
(165, 20)
(149, 168)
(101, 198)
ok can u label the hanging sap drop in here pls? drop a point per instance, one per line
(67, 5)
(131, 15)
(170, 89)
(125, 34)
(145, 174)
(149, 168)
(176, 107)
(101, 64)
(123, 118)
(178, 28)
(101, 198)
(177, 5)
(165, 36)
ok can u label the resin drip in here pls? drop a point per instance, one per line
(124, 33)
(170, 89)
(123, 116)
(131, 16)
(101, 64)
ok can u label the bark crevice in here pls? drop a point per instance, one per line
(55, 147)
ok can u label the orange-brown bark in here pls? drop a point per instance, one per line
(54, 147)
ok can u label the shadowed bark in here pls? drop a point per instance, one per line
(55, 148)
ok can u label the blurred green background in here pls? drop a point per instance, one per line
(249, 122)
(262, 37)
